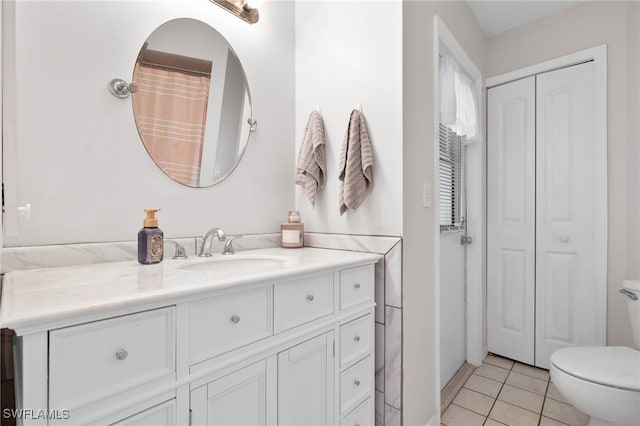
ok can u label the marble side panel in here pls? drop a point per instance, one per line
(379, 291)
(392, 416)
(393, 276)
(372, 244)
(393, 357)
(379, 356)
(20, 258)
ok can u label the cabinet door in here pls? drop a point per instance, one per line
(511, 220)
(244, 397)
(161, 415)
(305, 383)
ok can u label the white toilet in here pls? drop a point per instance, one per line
(604, 381)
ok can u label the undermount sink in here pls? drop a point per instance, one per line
(230, 264)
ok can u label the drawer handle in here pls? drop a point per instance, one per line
(121, 354)
(356, 382)
(356, 339)
(356, 424)
(357, 286)
(310, 297)
(235, 319)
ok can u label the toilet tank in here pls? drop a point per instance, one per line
(633, 308)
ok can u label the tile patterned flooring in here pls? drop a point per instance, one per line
(503, 392)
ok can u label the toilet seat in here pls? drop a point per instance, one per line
(613, 366)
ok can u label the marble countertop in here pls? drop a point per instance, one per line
(34, 297)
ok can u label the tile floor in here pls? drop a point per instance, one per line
(504, 392)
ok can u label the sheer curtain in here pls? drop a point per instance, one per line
(458, 107)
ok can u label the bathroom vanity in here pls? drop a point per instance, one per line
(264, 337)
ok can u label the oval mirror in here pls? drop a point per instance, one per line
(191, 102)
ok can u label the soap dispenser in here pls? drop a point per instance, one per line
(292, 232)
(150, 240)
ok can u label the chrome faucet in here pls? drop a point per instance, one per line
(207, 240)
(180, 252)
(228, 245)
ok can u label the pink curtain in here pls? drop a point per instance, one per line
(170, 109)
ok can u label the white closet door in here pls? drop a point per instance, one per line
(566, 289)
(511, 220)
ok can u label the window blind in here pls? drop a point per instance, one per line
(451, 184)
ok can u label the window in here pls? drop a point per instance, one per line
(451, 165)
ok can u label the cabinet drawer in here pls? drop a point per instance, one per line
(356, 286)
(103, 358)
(355, 385)
(355, 340)
(301, 301)
(360, 416)
(222, 323)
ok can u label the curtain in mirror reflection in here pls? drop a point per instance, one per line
(171, 112)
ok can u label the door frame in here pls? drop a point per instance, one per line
(475, 330)
(598, 55)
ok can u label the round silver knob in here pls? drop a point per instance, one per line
(356, 286)
(356, 382)
(235, 319)
(356, 339)
(310, 297)
(564, 239)
(121, 354)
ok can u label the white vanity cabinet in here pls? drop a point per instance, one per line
(317, 367)
(293, 349)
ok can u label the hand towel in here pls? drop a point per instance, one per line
(312, 165)
(356, 164)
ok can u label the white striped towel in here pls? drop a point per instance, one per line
(356, 164)
(312, 165)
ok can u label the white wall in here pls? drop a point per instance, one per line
(590, 24)
(420, 240)
(350, 53)
(81, 164)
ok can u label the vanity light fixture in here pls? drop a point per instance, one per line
(240, 8)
